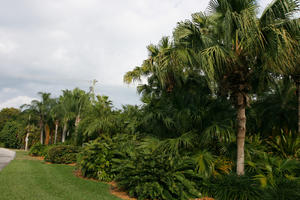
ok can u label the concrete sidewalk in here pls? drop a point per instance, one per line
(5, 157)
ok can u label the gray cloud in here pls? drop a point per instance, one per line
(52, 45)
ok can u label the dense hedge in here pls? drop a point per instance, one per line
(39, 150)
(62, 154)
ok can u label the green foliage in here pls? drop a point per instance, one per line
(95, 160)
(38, 150)
(286, 145)
(8, 114)
(284, 189)
(11, 135)
(99, 119)
(62, 154)
(101, 158)
(233, 187)
(157, 176)
(267, 169)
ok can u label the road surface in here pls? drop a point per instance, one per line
(5, 157)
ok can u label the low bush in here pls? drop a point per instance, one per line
(99, 158)
(94, 160)
(38, 150)
(155, 176)
(62, 154)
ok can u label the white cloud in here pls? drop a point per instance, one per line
(16, 102)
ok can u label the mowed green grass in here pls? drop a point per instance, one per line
(27, 178)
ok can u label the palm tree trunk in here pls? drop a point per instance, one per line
(26, 141)
(42, 132)
(77, 120)
(63, 138)
(56, 128)
(241, 133)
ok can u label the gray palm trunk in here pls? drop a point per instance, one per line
(63, 138)
(77, 120)
(56, 128)
(241, 134)
(26, 141)
(42, 132)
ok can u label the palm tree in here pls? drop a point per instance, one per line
(233, 48)
(65, 102)
(55, 114)
(42, 109)
(72, 103)
(162, 68)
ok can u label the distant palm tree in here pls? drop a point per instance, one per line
(42, 109)
(66, 104)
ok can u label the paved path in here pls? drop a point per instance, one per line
(5, 157)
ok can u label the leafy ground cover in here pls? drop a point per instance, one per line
(28, 178)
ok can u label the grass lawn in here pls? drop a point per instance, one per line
(27, 178)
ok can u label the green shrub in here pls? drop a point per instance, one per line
(233, 187)
(94, 160)
(153, 176)
(62, 154)
(284, 189)
(38, 150)
(99, 157)
(11, 135)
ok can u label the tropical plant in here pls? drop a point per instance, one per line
(267, 169)
(284, 189)
(275, 109)
(233, 187)
(234, 48)
(62, 154)
(42, 109)
(154, 176)
(12, 134)
(38, 150)
(99, 119)
(285, 145)
(95, 159)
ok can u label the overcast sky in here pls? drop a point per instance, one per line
(50, 45)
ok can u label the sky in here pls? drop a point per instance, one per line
(51, 45)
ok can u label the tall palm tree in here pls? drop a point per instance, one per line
(294, 71)
(55, 114)
(66, 102)
(161, 68)
(42, 109)
(235, 48)
(72, 103)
